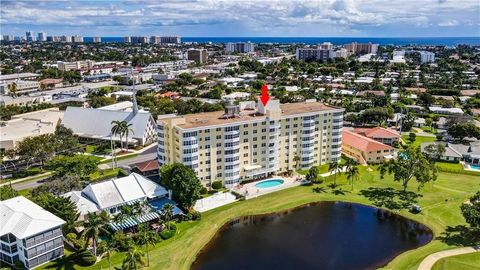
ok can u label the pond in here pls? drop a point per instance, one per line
(327, 235)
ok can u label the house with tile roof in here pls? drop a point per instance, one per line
(28, 233)
(363, 149)
(386, 136)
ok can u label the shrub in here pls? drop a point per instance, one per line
(85, 258)
(203, 191)
(217, 185)
(167, 234)
(122, 241)
(72, 238)
(196, 215)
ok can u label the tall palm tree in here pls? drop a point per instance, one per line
(334, 167)
(352, 174)
(167, 214)
(133, 258)
(93, 227)
(349, 163)
(117, 129)
(147, 237)
(126, 131)
(110, 247)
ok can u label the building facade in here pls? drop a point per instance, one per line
(243, 144)
(42, 36)
(362, 48)
(170, 40)
(30, 36)
(97, 39)
(314, 54)
(197, 55)
(241, 47)
(427, 57)
(29, 234)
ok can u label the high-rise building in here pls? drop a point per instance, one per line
(361, 48)
(241, 47)
(139, 40)
(97, 39)
(326, 46)
(427, 57)
(155, 39)
(8, 38)
(42, 36)
(77, 39)
(242, 144)
(170, 40)
(30, 36)
(197, 55)
(311, 54)
(67, 39)
(127, 39)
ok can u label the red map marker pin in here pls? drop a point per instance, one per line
(264, 97)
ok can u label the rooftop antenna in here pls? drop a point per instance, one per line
(134, 98)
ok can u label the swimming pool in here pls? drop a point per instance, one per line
(475, 167)
(269, 183)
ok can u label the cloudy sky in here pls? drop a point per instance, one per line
(217, 18)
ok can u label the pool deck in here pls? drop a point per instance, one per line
(250, 191)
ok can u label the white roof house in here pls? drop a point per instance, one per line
(23, 218)
(445, 110)
(97, 123)
(115, 192)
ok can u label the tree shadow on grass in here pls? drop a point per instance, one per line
(339, 191)
(63, 263)
(460, 235)
(319, 190)
(391, 198)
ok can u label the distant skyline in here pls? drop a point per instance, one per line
(251, 18)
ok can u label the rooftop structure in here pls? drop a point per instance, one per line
(97, 124)
(363, 149)
(28, 233)
(29, 124)
(384, 135)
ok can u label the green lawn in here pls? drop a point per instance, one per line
(123, 157)
(419, 140)
(440, 208)
(105, 174)
(461, 262)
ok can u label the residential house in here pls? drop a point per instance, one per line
(28, 233)
(363, 149)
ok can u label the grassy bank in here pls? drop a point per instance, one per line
(467, 261)
(440, 204)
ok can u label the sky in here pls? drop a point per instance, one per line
(244, 18)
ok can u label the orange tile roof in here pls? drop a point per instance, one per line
(362, 143)
(377, 132)
(147, 166)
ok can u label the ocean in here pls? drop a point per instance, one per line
(446, 41)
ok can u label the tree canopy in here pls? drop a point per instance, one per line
(183, 182)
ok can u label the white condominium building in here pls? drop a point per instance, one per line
(241, 47)
(245, 142)
(427, 57)
(28, 233)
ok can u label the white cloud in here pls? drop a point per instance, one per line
(449, 23)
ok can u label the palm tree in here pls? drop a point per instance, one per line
(349, 163)
(334, 167)
(133, 258)
(95, 225)
(147, 237)
(110, 247)
(12, 88)
(296, 159)
(117, 129)
(137, 208)
(352, 174)
(126, 131)
(167, 214)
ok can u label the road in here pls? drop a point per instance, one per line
(149, 154)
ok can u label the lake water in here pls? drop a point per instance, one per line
(327, 235)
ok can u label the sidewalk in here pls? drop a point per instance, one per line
(431, 259)
(30, 178)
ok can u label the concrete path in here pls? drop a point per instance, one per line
(431, 259)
